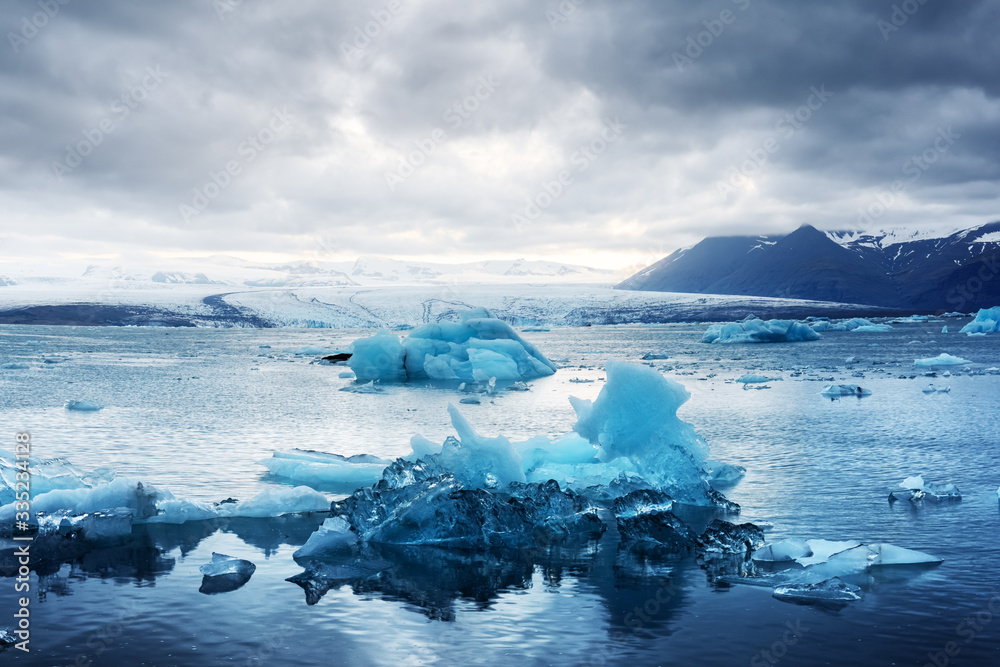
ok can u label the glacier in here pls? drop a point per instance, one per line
(476, 349)
(759, 331)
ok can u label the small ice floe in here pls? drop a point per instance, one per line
(944, 329)
(15, 366)
(348, 375)
(753, 378)
(470, 400)
(84, 406)
(873, 328)
(225, 573)
(932, 389)
(580, 380)
(915, 488)
(839, 390)
(942, 359)
(830, 590)
(368, 388)
(653, 356)
(723, 474)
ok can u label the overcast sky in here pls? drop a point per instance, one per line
(329, 129)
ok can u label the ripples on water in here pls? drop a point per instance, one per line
(193, 409)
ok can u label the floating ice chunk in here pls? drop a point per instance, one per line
(470, 400)
(751, 378)
(944, 329)
(987, 321)
(7, 638)
(321, 468)
(847, 325)
(347, 375)
(635, 416)
(83, 406)
(422, 447)
(367, 388)
(829, 590)
(873, 328)
(660, 529)
(333, 537)
(836, 390)
(872, 555)
(783, 551)
(724, 474)
(15, 366)
(942, 359)
(915, 488)
(225, 573)
(222, 564)
(759, 331)
(276, 502)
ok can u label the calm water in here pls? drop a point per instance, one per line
(194, 409)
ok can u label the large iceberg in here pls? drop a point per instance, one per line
(477, 348)
(987, 321)
(629, 438)
(759, 331)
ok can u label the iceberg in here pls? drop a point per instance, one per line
(83, 406)
(476, 349)
(942, 359)
(759, 331)
(837, 390)
(987, 321)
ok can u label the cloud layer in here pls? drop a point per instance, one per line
(581, 129)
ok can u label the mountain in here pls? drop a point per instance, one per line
(893, 268)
